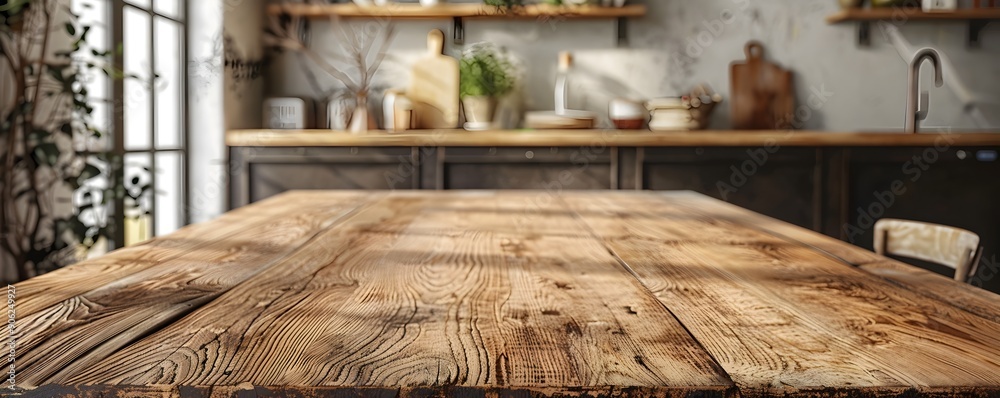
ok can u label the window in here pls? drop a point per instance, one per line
(145, 115)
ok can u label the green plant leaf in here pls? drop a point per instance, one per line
(70, 29)
(89, 171)
(46, 153)
(485, 71)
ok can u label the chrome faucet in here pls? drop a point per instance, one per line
(915, 112)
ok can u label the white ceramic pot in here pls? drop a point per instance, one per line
(479, 112)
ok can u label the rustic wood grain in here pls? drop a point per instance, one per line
(455, 10)
(890, 13)
(599, 138)
(781, 318)
(77, 331)
(499, 294)
(932, 285)
(89, 275)
(401, 307)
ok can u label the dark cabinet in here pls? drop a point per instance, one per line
(951, 186)
(550, 169)
(783, 183)
(258, 173)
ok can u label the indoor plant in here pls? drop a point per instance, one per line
(487, 74)
(56, 188)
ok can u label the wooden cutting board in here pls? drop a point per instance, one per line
(434, 87)
(763, 95)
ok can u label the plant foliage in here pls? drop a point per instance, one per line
(486, 71)
(55, 190)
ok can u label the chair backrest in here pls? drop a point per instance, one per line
(952, 247)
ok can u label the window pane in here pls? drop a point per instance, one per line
(169, 192)
(136, 101)
(169, 84)
(95, 14)
(139, 3)
(137, 176)
(100, 120)
(170, 8)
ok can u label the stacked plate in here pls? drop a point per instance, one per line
(671, 114)
(548, 120)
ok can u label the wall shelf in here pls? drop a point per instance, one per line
(977, 18)
(459, 12)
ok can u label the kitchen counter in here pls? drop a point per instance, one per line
(612, 138)
(472, 294)
(834, 183)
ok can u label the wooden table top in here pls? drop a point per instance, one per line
(602, 138)
(495, 294)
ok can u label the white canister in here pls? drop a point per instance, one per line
(940, 5)
(389, 109)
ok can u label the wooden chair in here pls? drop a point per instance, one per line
(952, 247)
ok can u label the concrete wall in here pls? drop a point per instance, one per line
(682, 43)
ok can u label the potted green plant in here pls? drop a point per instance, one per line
(487, 74)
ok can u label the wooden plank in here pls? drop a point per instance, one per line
(911, 14)
(457, 10)
(783, 319)
(495, 212)
(78, 331)
(456, 314)
(92, 274)
(967, 297)
(598, 138)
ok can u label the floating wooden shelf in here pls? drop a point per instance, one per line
(894, 14)
(977, 18)
(458, 12)
(444, 11)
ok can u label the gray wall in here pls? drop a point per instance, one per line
(682, 43)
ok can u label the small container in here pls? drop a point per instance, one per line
(939, 5)
(402, 114)
(287, 113)
(627, 114)
(389, 109)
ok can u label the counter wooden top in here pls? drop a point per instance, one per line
(416, 294)
(579, 138)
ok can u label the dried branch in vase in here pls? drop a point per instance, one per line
(354, 57)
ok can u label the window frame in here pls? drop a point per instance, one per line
(117, 35)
